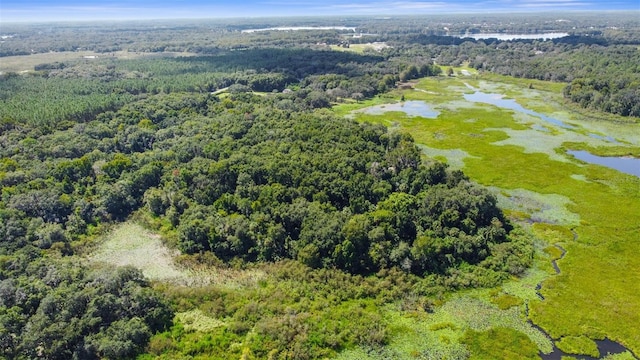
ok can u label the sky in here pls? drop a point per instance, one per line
(87, 10)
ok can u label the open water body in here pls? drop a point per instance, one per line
(627, 165)
(544, 36)
(411, 108)
(297, 28)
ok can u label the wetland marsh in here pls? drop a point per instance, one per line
(410, 108)
(518, 140)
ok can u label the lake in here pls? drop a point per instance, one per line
(411, 108)
(545, 36)
(627, 165)
(296, 28)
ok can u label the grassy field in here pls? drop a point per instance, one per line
(130, 244)
(360, 48)
(25, 63)
(597, 293)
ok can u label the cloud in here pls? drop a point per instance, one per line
(138, 11)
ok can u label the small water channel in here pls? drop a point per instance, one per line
(627, 165)
(604, 138)
(411, 108)
(497, 100)
(605, 347)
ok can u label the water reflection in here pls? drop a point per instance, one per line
(605, 138)
(411, 108)
(626, 165)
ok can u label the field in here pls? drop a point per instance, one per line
(591, 211)
(26, 63)
(360, 48)
(130, 244)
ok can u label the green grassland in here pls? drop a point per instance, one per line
(360, 48)
(589, 210)
(131, 244)
(26, 63)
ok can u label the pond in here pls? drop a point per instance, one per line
(497, 100)
(627, 165)
(297, 28)
(545, 36)
(411, 108)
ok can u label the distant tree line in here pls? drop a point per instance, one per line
(62, 93)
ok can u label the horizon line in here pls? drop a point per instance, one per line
(290, 16)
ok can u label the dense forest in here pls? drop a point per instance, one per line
(245, 177)
(77, 90)
(229, 151)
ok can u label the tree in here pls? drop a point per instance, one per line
(123, 339)
(353, 254)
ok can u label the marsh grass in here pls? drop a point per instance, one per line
(499, 343)
(196, 320)
(344, 109)
(453, 157)
(130, 244)
(622, 356)
(439, 334)
(578, 345)
(506, 301)
(612, 150)
(540, 208)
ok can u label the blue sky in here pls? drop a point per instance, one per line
(55, 10)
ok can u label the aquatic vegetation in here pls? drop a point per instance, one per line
(578, 345)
